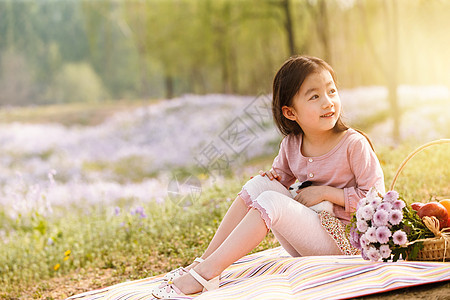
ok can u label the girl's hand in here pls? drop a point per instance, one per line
(311, 195)
(271, 174)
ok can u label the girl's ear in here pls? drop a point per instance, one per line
(288, 113)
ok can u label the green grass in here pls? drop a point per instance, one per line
(425, 177)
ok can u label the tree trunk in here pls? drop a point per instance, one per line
(323, 30)
(168, 80)
(389, 65)
(392, 74)
(289, 27)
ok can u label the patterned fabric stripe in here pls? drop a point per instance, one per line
(273, 274)
(268, 287)
(337, 231)
(381, 280)
(360, 280)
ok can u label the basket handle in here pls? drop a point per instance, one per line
(412, 154)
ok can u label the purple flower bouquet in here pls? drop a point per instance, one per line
(383, 225)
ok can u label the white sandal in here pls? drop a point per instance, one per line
(179, 271)
(168, 290)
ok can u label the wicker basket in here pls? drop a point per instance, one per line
(437, 248)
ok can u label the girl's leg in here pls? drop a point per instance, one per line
(251, 190)
(297, 227)
(244, 238)
(233, 217)
(285, 244)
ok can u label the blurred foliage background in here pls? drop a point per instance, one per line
(57, 51)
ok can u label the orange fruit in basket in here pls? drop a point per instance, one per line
(446, 204)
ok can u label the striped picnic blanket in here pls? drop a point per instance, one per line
(273, 274)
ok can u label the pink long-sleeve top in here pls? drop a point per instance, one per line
(351, 165)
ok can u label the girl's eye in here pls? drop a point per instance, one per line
(333, 91)
(314, 97)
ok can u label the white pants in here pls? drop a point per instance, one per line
(296, 227)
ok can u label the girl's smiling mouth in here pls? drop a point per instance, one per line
(327, 115)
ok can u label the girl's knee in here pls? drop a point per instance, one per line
(272, 202)
(262, 185)
(259, 184)
(258, 179)
(269, 197)
(279, 206)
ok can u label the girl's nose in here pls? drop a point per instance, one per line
(327, 102)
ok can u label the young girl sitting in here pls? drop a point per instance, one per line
(317, 147)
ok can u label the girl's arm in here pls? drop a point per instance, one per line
(367, 171)
(315, 194)
(280, 166)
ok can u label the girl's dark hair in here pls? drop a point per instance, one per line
(287, 83)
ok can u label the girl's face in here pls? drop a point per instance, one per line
(316, 107)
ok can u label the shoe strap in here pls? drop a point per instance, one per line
(168, 285)
(199, 259)
(178, 270)
(206, 284)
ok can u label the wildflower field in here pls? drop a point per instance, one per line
(92, 196)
